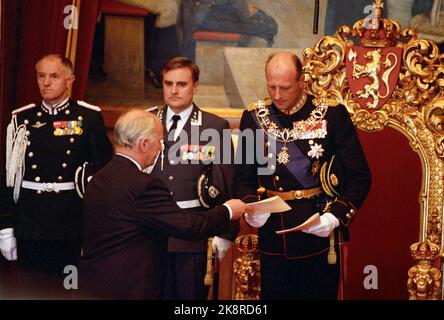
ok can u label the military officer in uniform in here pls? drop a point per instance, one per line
(47, 144)
(303, 137)
(189, 163)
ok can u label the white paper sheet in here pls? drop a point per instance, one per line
(270, 205)
(314, 219)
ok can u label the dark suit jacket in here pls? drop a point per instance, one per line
(128, 216)
(181, 178)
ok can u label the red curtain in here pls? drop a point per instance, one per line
(42, 31)
(89, 11)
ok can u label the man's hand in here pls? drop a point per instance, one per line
(326, 224)
(238, 208)
(220, 246)
(257, 220)
(8, 244)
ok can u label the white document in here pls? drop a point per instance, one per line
(270, 205)
(314, 219)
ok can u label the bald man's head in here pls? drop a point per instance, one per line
(285, 83)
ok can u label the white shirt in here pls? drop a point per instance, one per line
(184, 115)
(131, 159)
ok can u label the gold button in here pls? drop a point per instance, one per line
(71, 140)
(298, 194)
(67, 112)
(29, 143)
(27, 133)
(37, 179)
(60, 178)
(268, 144)
(270, 155)
(172, 162)
(281, 189)
(57, 191)
(276, 178)
(68, 152)
(39, 114)
(34, 166)
(80, 118)
(39, 191)
(31, 154)
(311, 142)
(64, 165)
(26, 121)
(348, 215)
(352, 211)
(172, 193)
(171, 178)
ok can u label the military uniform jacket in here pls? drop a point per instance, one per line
(335, 135)
(181, 177)
(128, 218)
(58, 142)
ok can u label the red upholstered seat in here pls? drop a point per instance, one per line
(122, 9)
(216, 36)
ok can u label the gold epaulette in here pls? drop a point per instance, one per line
(88, 106)
(29, 106)
(253, 106)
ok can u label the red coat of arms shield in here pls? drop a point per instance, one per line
(372, 74)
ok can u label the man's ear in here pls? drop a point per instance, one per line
(144, 144)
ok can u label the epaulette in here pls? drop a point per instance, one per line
(152, 109)
(29, 106)
(264, 102)
(88, 106)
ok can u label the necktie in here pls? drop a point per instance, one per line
(175, 118)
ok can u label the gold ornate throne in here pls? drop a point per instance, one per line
(391, 83)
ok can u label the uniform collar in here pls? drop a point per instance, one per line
(55, 109)
(184, 115)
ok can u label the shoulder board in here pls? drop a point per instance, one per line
(29, 106)
(152, 109)
(88, 106)
(253, 106)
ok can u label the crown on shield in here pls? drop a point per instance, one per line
(375, 31)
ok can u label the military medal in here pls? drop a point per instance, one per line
(283, 156)
(67, 128)
(299, 131)
(316, 151)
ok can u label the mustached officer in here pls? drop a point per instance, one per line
(47, 144)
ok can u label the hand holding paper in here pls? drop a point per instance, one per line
(271, 205)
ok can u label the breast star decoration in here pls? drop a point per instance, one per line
(316, 151)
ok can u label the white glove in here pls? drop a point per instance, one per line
(257, 220)
(220, 246)
(326, 224)
(8, 244)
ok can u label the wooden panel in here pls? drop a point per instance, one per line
(124, 55)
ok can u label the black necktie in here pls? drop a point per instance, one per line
(175, 118)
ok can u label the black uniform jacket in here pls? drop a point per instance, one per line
(59, 141)
(128, 216)
(341, 140)
(181, 177)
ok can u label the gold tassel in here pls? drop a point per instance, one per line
(332, 258)
(208, 280)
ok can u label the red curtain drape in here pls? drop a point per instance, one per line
(89, 11)
(42, 31)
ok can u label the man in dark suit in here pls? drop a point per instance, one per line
(128, 216)
(300, 137)
(196, 142)
(46, 144)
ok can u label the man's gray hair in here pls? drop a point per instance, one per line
(132, 126)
